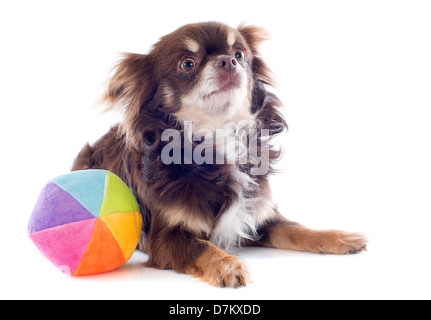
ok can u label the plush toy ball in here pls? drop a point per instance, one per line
(86, 222)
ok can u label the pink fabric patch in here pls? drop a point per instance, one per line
(65, 245)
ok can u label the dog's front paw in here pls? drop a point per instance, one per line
(219, 268)
(340, 242)
(227, 271)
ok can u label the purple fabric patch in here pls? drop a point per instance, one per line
(56, 207)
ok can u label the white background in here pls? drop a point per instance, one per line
(355, 78)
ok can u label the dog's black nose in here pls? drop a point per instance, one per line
(226, 63)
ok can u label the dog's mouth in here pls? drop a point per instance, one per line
(229, 85)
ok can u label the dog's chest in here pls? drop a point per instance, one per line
(241, 220)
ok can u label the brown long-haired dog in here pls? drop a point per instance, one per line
(195, 146)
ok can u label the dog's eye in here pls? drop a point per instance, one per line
(188, 64)
(239, 55)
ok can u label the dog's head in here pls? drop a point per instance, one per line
(207, 73)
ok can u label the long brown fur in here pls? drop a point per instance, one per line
(182, 204)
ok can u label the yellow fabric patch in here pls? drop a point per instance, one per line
(126, 228)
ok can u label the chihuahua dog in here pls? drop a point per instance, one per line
(196, 147)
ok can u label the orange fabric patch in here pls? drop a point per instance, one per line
(103, 252)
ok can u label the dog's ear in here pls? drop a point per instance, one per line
(254, 37)
(264, 104)
(130, 87)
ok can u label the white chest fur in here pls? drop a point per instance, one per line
(242, 220)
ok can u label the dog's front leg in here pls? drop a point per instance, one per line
(284, 234)
(177, 249)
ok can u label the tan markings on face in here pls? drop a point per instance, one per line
(192, 45)
(231, 37)
(168, 94)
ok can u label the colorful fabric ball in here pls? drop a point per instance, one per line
(86, 222)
